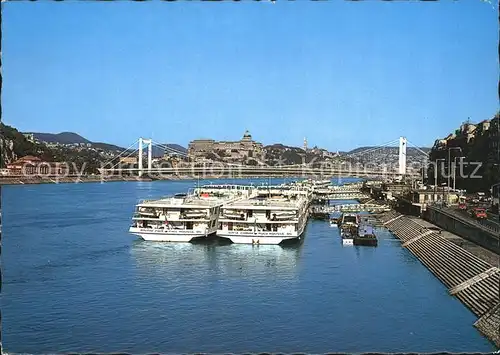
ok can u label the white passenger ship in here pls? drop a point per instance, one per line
(185, 217)
(276, 214)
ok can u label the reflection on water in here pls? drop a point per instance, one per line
(248, 260)
(228, 260)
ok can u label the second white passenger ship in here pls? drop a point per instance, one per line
(185, 217)
(274, 215)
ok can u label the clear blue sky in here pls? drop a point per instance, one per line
(342, 74)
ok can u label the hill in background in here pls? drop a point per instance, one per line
(61, 138)
(75, 138)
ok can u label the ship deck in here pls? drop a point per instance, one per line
(188, 202)
(267, 204)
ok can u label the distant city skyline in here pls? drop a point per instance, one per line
(342, 74)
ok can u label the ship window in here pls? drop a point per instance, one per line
(268, 214)
(189, 225)
(268, 227)
(250, 213)
(275, 227)
(230, 226)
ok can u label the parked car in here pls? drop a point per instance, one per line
(479, 213)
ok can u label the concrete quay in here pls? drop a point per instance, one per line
(468, 276)
(479, 251)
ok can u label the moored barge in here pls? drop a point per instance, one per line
(365, 236)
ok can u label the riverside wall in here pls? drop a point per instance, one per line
(470, 230)
(469, 278)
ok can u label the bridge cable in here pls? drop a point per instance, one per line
(418, 149)
(165, 147)
(137, 150)
(384, 145)
(130, 146)
(373, 149)
(168, 149)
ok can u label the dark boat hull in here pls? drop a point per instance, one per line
(364, 241)
(320, 216)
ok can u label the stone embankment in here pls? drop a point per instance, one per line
(472, 280)
(68, 179)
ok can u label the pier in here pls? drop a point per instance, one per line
(361, 207)
(472, 280)
(341, 195)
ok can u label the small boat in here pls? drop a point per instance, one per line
(334, 222)
(318, 212)
(322, 216)
(347, 237)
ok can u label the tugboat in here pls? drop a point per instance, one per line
(348, 236)
(365, 236)
(319, 213)
(334, 222)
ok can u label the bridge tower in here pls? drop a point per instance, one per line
(402, 155)
(149, 143)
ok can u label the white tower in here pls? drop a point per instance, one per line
(402, 155)
(140, 157)
(149, 142)
(305, 144)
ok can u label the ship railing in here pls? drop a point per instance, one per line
(233, 218)
(142, 215)
(196, 217)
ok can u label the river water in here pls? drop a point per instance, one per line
(74, 280)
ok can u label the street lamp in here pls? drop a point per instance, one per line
(449, 162)
(449, 165)
(436, 176)
(443, 202)
(498, 196)
(455, 171)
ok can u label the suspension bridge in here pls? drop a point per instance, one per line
(371, 162)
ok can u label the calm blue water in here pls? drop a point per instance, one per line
(75, 280)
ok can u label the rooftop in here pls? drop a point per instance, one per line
(28, 158)
(188, 201)
(267, 203)
(227, 187)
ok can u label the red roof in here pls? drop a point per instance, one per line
(28, 158)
